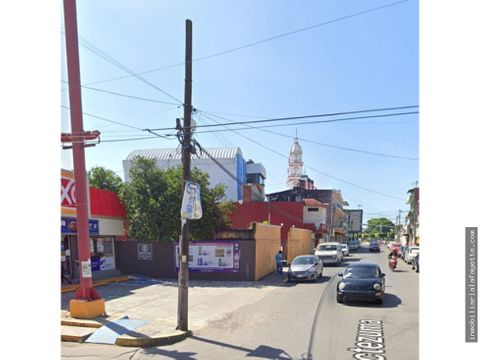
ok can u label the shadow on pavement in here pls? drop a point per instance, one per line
(262, 351)
(389, 301)
(320, 280)
(174, 354)
(126, 288)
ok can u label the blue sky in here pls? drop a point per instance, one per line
(361, 62)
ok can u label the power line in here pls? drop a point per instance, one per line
(329, 145)
(127, 95)
(321, 172)
(255, 43)
(317, 116)
(92, 48)
(107, 120)
(309, 122)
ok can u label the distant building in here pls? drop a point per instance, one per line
(413, 217)
(354, 220)
(230, 158)
(335, 216)
(254, 188)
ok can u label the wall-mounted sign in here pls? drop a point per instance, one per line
(69, 226)
(145, 252)
(212, 256)
(67, 193)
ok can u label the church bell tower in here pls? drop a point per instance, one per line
(295, 164)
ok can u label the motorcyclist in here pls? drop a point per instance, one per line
(393, 258)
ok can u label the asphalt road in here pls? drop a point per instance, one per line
(299, 321)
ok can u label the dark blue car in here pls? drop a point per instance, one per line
(361, 281)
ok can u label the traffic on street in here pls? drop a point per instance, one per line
(303, 320)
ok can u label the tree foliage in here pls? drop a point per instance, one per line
(380, 228)
(101, 178)
(153, 200)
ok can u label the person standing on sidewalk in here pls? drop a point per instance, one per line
(278, 262)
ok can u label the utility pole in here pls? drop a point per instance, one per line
(86, 292)
(182, 313)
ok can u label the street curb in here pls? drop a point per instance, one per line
(80, 323)
(69, 288)
(155, 340)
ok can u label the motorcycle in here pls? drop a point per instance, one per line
(392, 263)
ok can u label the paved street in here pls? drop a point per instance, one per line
(294, 321)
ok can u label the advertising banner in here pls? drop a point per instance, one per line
(69, 226)
(212, 256)
(191, 203)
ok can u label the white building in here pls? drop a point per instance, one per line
(230, 158)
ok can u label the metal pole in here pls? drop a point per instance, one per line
(86, 291)
(182, 314)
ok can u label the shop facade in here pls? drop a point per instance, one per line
(106, 225)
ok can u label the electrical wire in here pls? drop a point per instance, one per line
(316, 116)
(95, 50)
(107, 120)
(255, 43)
(330, 145)
(321, 172)
(128, 95)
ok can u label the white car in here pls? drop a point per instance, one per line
(329, 253)
(305, 267)
(345, 249)
(411, 253)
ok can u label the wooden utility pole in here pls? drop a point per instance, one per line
(182, 314)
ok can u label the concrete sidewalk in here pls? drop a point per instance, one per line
(155, 301)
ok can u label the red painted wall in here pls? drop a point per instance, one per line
(287, 212)
(105, 203)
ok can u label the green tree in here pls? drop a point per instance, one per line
(153, 200)
(101, 178)
(380, 228)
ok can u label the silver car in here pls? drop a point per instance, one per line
(305, 267)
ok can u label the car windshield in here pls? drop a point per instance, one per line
(327, 247)
(360, 272)
(344, 246)
(303, 261)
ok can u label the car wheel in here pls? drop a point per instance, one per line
(379, 301)
(339, 299)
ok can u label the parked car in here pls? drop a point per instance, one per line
(345, 249)
(361, 281)
(374, 247)
(416, 263)
(305, 267)
(353, 245)
(411, 253)
(329, 253)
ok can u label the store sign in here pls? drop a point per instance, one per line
(67, 193)
(145, 252)
(69, 226)
(212, 256)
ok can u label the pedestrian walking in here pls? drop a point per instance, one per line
(278, 261)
